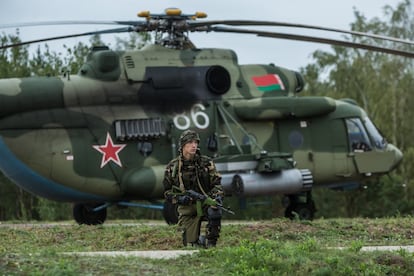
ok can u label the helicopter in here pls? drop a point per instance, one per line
(103, 137)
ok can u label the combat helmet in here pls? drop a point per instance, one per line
(188, 136)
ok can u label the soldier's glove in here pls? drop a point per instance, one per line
(184, 200)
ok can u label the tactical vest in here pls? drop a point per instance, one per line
(191, 170)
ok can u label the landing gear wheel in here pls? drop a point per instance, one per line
(84, 214)
(302, 210)
(170, 213)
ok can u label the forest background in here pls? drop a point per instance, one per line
(381, 84)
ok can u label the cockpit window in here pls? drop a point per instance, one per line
(377, 138)
(358, 137)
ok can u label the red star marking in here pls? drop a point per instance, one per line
(109, 151)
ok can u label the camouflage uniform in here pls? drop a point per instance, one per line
(200, 175)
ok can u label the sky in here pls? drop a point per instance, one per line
(249, 48)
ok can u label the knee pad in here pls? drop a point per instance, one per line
(214, 218)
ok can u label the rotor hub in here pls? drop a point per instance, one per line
(171, 28)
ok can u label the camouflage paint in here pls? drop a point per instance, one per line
(51, 125)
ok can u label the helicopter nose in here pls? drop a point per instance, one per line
(398, 156)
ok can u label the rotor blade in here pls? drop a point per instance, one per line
(293, 25)
(110, 31)
(72, 22)
(316, 40)
(198, 26)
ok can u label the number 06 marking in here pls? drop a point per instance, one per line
(198, 117)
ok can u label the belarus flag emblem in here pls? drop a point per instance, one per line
(268, 82)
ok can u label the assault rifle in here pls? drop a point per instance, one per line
(206, 200)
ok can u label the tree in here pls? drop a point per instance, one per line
(13, 62)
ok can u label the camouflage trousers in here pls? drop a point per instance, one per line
(190, 224)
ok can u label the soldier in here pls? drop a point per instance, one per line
(192, 171)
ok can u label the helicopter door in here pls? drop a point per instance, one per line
(328, 153)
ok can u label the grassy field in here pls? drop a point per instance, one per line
(277, 247)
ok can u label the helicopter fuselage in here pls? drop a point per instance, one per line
(106, 134)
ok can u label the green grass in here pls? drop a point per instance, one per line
(277, 247)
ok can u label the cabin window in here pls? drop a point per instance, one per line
(379, 141)
(357, 135)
